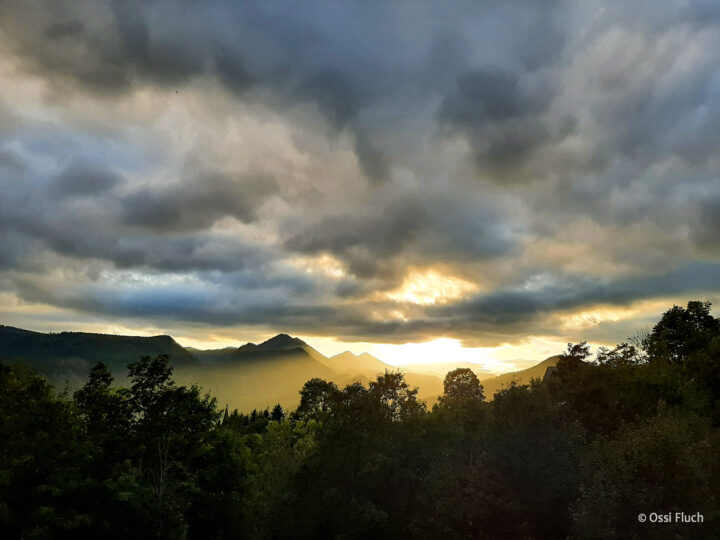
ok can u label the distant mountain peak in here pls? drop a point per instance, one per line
(346, 355)
(281, 342)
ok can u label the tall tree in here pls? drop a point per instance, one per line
(682, 332)
(461, 387)
(400, 401)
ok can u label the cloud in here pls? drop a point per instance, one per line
(372, 160)
(288, 165)
(64, 29)
(76, 214)
(503, 121)
(84, 179)
(196, 203)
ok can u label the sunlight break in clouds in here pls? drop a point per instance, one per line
(431, 287)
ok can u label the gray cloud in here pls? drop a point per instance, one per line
(132, 230)
(491, 95)
(84, 179)
(372, 160)
(197, 203)
(230, 144)
(503, 121)
(64, 29)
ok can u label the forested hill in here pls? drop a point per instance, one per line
(245, 377)
(495, 384)
(67, 356)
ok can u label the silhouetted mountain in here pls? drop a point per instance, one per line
(246, 377)
(68, 356)
(281, 342)
(365, 362)
(257, 376)
(495, 384)
(278, 346)
(365, 367)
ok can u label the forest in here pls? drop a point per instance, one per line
(630, 430)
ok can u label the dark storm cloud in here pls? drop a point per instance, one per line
(503, 120)
(491, 95)
(366, 242)
(372, 160)
(512, 306)
(490, 138)
(187, 301)
(384, 232)
(335, 96)
(76, 215)
(707, 230)
(153, 43)
(382, 241)
(197, 203)
(84, 179)
(64, 29)
(169, 60)
(316, 54)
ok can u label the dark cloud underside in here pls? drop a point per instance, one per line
(303, 166)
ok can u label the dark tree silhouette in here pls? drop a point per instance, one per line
(682, 332)
(461, 387)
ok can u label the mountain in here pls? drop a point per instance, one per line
(281, 342)
(495, 384)
(440, 369)
(279, 346)
(365, 362)
(258, 376)
(67, 357)
(365, 367)
(246, 377)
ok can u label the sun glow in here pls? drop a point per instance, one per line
(324, 264)
(431, 287)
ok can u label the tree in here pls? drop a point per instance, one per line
(682, 332)
(277, 413)
(151, 380)
(106, 414)
(315, 397)
(622, 355)
(461, 387)
(173, 427)
(579, 351)
(395, 394)
(42, 451)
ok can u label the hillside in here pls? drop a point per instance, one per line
(258, 375)
(365, 367)
(67, 357)
(495, 384)
(246, 377)
(347, 361)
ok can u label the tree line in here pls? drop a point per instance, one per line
(581, 454)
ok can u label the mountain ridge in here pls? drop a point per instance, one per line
(252, 375)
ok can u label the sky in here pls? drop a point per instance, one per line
(485, 180)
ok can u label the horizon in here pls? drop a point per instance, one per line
(409, 359)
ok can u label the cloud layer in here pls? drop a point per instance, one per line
(293, 165)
